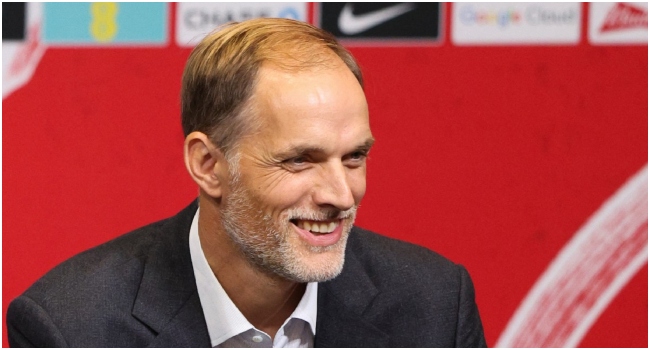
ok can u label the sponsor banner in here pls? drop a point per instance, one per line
(22, 47)
(105, 23)
(515, 23)
(13, 21)
(618, 23)
(195, 20)
(382, 23)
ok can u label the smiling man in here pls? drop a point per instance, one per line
(277, 136)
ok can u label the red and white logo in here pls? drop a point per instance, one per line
(624, 16)
(618, 23)
(20, 58)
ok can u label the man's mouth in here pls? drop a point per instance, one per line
(317, 227)
(319, 233)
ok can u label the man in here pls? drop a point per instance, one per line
(277, 137)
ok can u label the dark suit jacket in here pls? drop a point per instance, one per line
(138, 290)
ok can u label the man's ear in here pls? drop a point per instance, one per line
(206, 164)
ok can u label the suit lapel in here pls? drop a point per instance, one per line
(169, 304)
(342, 303)
(167, 300)
(186, 329)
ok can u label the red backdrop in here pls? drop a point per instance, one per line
(492, 156)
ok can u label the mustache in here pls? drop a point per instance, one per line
(321, 214)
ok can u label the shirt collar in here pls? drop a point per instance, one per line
(222, 317)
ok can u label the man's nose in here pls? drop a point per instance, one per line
(333, 187)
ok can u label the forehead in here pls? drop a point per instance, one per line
(320, 108)
(310, 98)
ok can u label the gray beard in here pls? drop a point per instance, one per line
(267, 247)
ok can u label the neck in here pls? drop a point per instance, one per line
(265, 299)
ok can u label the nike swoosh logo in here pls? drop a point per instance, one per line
(349, 24)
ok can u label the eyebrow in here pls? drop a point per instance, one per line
(292, 151)
(367, 144)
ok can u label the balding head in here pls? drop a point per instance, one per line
(222, 70)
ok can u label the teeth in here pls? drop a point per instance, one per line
(317, 227)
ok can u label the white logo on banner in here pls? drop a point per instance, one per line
(20, 58)
(515, 23)
(195, 20)
(586, 275)
(618, 23)
(351, 24)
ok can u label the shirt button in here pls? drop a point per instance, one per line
(257, 338)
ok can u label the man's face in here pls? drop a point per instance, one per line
(302, 175)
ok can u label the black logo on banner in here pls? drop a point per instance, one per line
(383, 21)
(13, 21)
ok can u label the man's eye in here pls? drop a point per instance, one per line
(296, 160)
(358, 155)
(356, 159)
(296, 163)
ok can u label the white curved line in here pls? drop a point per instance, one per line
(587, 274)
(606, 297)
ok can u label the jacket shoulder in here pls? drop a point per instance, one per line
(87, 299)
(101, 261)
(422, 298)
(384, 257)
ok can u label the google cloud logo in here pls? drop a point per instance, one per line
(501, 18)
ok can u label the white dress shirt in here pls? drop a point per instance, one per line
(228, 327)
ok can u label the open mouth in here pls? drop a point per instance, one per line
(319, 233)
(316, 227)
